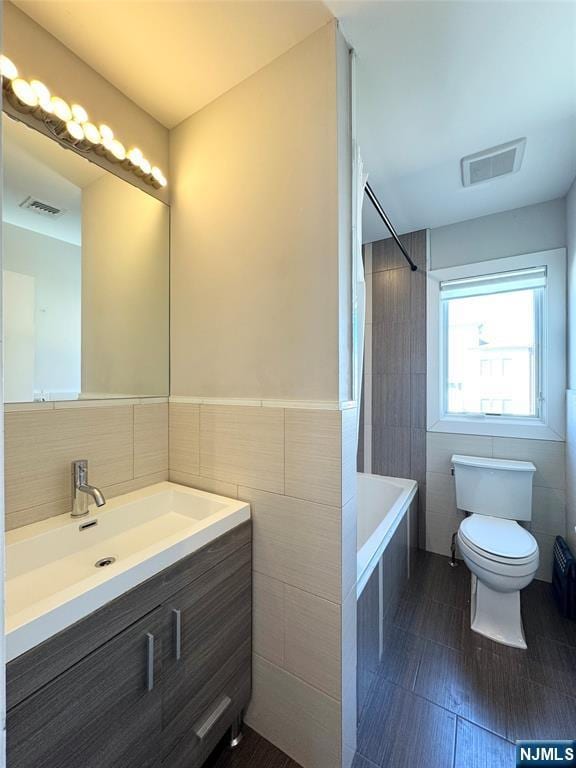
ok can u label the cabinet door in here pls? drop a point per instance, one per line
(104, 711)
(206, 664)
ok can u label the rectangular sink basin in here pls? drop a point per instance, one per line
(60, 570)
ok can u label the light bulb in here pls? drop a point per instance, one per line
(24, 92)
(106, 133)
(79, 114)
(145, 166)
(135, 156)
(75, 130)
(7, 68)
(117, 149)
(92, 133)
(42, 92)
(61, 109)
(159, 176)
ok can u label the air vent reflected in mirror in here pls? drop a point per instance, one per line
(44, 209)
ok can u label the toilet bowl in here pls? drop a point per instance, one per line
(501, 555)
(503, 559)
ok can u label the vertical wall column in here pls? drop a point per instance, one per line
(296, 467)
(394, 402)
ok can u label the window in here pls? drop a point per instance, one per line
(496, 347)
(491, 325)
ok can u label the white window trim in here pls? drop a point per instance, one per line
(552, 424)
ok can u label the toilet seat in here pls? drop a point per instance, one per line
(499, 540)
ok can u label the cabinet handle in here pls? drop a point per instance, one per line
(177, 615)
(202, 728)
(150, 662)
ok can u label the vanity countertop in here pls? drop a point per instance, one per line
(52, 576)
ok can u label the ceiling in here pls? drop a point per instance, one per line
(172, 57)
(36, 166)
(441, 80)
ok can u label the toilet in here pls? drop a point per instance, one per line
(501, 555)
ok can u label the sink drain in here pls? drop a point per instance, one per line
(104, 561)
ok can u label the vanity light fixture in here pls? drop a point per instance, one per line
(43, 95)
(60, 109)
(71, 125)
(22, 95)
(8, 70)
(79, 114)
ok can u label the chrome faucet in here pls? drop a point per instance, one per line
(81, 490)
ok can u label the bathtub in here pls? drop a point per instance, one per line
(382, 504)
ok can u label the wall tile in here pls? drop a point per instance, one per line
(391, 296)
(418, 400)
(441, 493)
(349, 671)
(298, 718)
(391, 448)
(418, 455)
(268, 618)
(546, 547)
(150, 439)
(441, 446)
(391, 402)
(349, 549)
(439, 530)
(313, 455)
(313, 640)
(368, 348)
(549, 511)
(219, 487)
(296, 541)
(547, 455)
(244, 445)
(391, 347)
(184, 426)
(350, 441)
(41, 445)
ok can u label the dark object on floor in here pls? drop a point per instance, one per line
(254, 751)
(564, 578)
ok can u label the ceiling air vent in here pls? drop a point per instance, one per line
(493, 162)
(44, 209)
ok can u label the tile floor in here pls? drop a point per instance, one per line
(252, 752)
(446, 697)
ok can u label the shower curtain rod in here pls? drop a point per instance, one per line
(382, 213)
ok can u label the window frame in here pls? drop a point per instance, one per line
(550, 424)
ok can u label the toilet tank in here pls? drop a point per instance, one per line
(496, 487)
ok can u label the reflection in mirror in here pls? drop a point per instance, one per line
(86, 277)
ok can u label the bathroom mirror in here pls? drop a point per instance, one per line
(85, 277)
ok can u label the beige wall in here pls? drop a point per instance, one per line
(126, 446)
(255, 301)
(261, 311)
(37, 54)
(125, 291)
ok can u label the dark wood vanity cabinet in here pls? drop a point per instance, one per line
(158, 693)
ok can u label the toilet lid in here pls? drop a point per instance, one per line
(494, 535)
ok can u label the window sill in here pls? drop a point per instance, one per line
(492, 428)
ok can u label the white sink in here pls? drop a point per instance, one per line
(52, 579)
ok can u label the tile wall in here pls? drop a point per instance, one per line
(393, 440)
(296, 467)
(126, 444)
(548, 497)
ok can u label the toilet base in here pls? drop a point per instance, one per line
(496, 615)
